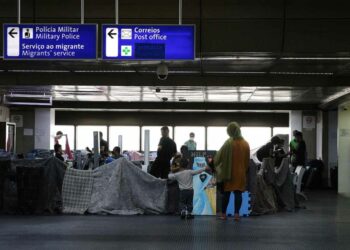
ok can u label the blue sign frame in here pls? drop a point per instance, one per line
(50, 41)
(148, 42)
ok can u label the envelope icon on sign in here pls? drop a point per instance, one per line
(126, 34)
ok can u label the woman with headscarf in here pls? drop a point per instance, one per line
(231, 164)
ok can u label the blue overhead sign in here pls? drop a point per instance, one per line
(50, 41)
(148, 42)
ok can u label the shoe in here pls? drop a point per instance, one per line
(190, 216)
(236, 217)
(183, 214)
(222, 216)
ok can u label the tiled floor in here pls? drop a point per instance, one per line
(325, 224)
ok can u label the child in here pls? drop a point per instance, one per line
(185, 179)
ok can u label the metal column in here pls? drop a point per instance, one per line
(120, 143)
(96, 149)
(146, 152)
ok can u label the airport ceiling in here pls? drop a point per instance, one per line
(252, 54)
(215, 98)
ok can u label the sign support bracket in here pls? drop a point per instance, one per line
(180, 12)
(82, 13)
(19, 11)
(116, 11)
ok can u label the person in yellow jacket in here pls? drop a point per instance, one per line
(231, 165)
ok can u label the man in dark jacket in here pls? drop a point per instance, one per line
(166, 150)
(271, 149)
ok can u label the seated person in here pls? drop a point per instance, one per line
(58, 152)
(116, 153)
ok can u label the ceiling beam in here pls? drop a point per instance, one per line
(183, 106)
(137, 79)
(333, 104)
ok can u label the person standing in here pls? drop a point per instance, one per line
(166, 150)
(103, 145)
(58, 136)
(184, 177)
(191, 144)
(185, 156)
(231, 165)
(299, 153)
(293, 145)
(58, 152)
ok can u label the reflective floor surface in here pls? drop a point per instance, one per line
(325, 224)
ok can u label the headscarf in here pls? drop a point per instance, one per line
(234, 131)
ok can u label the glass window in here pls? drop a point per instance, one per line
(130, 135)
(182, 134)
(256, 136)
(155, 136)
(85, 135)
(66, 129)
(281, 131)
(286, 132)
(216, 136)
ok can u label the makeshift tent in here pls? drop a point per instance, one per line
(32, 186)
(119, 187)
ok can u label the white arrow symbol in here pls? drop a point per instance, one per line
(12, 41)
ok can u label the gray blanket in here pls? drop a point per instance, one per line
(265, 199)
(122, 188)
(284, 186)
(274, 188)
(77, 190)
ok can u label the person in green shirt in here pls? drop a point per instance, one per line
(293, 145)
(191, 144)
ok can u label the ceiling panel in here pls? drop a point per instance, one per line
(220, 94)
